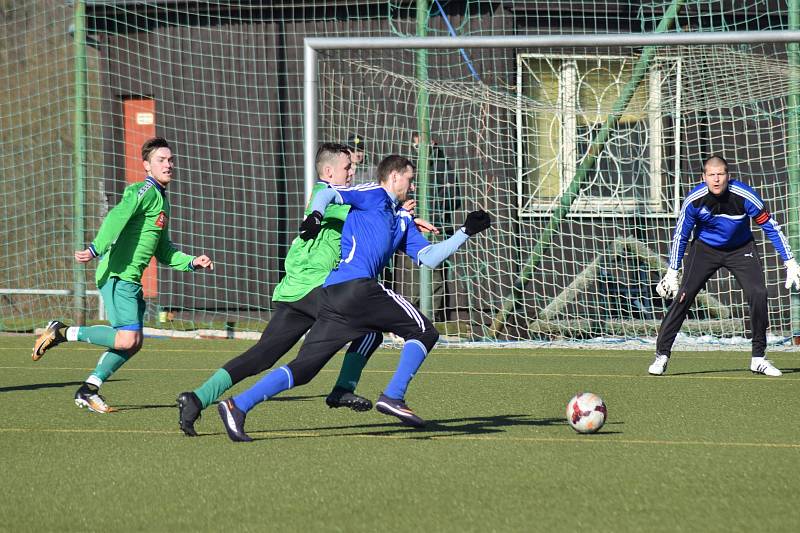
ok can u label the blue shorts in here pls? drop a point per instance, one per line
(124, 303)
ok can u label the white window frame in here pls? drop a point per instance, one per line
(567, 151)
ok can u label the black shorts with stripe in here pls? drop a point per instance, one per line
(289, 322)
(354, 308)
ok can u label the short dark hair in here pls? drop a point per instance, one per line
(355, 142)
(151, 145)
(327, 154)
(715, 159)
(393, 163)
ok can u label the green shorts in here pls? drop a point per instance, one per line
(124, 303)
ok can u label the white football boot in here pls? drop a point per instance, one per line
(762, 365)
(659, 366)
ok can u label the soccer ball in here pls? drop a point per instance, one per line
(586, 412)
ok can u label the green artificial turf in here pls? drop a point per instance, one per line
(708, 447)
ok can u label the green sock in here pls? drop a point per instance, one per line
(350, 373)
(214, 387)
(109, 363)
(99, 335)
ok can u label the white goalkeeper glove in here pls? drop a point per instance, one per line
(668, 287)
(792, 274)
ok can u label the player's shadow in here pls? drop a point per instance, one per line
(453, 427)
(298, 398)
(125, 407)
(473, 426)
(137, 407)
(40, 386)
(715, 371)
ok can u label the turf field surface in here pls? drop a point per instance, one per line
(708, 447)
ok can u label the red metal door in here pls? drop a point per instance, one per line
(140, 125)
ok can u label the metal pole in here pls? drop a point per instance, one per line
(793, 160)
(310, 108)
(79, 162)
(423, 164)
(559, 40)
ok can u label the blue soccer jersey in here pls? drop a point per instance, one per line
(723, 221)
(374, 229)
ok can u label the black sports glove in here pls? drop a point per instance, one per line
(311, 226)
(476, 222)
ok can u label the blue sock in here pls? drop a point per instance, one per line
(411, 358)
(276, 381)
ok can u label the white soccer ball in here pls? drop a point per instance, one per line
(586, 412)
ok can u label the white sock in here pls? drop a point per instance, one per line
(72, 334)
(94, 380)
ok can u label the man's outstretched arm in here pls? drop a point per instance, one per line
(432, 256)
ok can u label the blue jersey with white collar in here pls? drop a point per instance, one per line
(723, 221)
(374, 229)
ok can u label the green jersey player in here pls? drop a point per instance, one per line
(131, 234)
(307, 265)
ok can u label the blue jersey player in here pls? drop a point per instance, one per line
(719, 211)
(354, 301)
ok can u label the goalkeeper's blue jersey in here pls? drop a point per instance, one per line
(375, 228)
(723, 221)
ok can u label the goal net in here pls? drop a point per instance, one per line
(582, 155)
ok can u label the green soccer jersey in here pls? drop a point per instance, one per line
(133, 232)
(308, 263)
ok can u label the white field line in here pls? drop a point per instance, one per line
(584, 440)
(451, 373)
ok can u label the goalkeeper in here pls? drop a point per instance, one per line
(131, 234)
(719, 212)
(307, 265)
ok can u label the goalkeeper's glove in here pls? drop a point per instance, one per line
(792, 274)
(668, 287)
(476, 222)
(311, 226)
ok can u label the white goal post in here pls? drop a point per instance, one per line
(643, 237)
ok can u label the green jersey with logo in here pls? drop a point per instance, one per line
(308, 263)
(135, 231)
